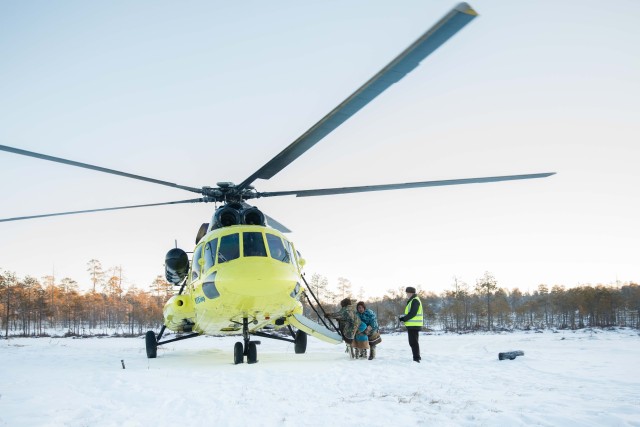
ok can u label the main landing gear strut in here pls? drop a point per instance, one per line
(240, 350)
(152, 342)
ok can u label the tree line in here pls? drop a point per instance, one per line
(487, 307)
(32, 307)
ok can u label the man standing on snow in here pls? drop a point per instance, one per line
(413, 321)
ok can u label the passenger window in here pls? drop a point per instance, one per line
(195, 266)
(277, 249)
(229, 248)
(210, 254)
(253, 244)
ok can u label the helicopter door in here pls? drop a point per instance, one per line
(210, 254)
(196, 264)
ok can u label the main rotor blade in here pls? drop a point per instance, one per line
(384, 187)
(409, 59)
(96, 168)
(103, 209)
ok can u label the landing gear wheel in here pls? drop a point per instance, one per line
(300, 342)
(238, 353)
(252, 353)
(151, 344)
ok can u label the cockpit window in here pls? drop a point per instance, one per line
(210, 254)
(277, 248)
(195, 266)
(253, 244)
(229, 248)
(289, 249)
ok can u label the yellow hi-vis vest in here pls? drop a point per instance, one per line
(417, 319)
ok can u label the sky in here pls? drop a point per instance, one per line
(201, 92)
(569, 378)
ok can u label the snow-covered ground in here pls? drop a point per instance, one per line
(582, 378)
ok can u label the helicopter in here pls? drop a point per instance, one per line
(245, 276)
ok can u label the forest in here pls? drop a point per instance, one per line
(33, 307)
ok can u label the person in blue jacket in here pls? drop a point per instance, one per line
(369, 318)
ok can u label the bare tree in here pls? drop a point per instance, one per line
(96, 273)
(161, 288)
(486, 286)
(344, 287)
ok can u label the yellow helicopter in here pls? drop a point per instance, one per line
(245, 276)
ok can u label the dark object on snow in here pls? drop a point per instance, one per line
(122, 361)
(510, 355)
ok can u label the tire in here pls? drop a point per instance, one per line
(252, 354)
(300, 342)
(238, 353)
(151, 344)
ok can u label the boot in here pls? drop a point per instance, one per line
(372, 354)
(363, 353)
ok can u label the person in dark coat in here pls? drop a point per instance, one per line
(348, 321)
(413, 321)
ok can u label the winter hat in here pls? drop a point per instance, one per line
(361, 303)
(411, 290)
(345, 302)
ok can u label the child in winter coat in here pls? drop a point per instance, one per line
(361, 342)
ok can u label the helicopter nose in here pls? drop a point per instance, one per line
(262, 277)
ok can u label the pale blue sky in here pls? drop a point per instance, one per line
(201, 92)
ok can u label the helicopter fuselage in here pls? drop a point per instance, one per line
(239, 272)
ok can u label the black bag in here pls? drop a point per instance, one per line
(375, 338)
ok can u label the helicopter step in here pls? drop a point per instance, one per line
(314, 329)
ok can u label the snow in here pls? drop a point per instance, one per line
(581, 378)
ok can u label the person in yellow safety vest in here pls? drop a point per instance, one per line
(413, 321)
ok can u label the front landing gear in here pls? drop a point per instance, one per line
(238, 353)
(252, 352)
(249, 349)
